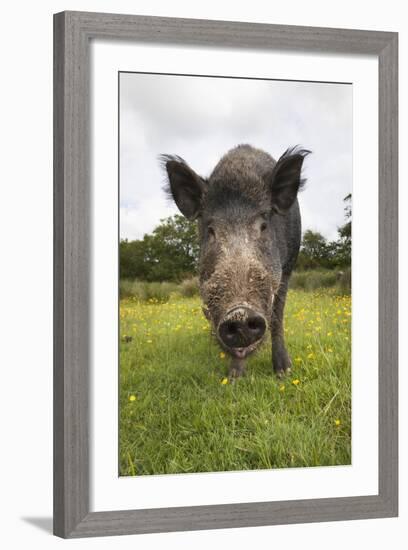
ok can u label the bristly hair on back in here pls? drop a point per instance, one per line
(296, 150)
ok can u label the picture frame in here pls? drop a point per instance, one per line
(73, 32)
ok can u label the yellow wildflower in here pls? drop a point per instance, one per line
(222, 355)
(132, 397)
(224, 381)
(296, 381)
(337, 422)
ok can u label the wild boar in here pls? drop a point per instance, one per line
(249, 228)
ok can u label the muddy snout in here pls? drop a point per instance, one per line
(240, 329)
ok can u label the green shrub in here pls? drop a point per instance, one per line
(344, 281)
(159, 291)
(315, 279)
(189, 287)
(125, 288)
(144, 291)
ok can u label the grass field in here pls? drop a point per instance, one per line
(179, 414)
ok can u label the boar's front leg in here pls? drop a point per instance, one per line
(237, 368)
(280, 358)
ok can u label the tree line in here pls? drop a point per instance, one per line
(170, 252)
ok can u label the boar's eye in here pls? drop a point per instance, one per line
(211, 233)
(262, 223)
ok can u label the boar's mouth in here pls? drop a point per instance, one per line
(242, 353)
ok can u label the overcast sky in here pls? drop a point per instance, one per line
(201, 118)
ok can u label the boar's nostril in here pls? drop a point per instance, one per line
(232, 327)
(256, 324)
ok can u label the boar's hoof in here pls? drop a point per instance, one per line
(281, 373)
(281, 362)
(234, 375)
(236, 370)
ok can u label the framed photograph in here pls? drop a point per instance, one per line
(225, 285)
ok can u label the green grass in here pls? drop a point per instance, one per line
(177, 416)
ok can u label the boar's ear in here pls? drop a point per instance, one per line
(184, 186)
(285, 180)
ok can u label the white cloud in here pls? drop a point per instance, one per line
(200, 118)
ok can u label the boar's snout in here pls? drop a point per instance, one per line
(241, 329)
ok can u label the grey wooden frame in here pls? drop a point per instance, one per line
(72, 33)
